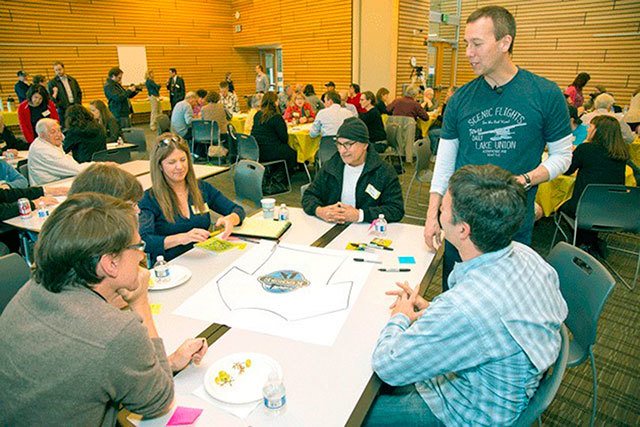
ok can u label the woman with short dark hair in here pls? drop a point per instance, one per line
(372, 118)
(84, 135)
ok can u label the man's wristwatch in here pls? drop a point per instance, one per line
(527, 181)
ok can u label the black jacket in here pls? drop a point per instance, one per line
(326, 188)
(118, 98)
(177, 91)
(84, 142)
(62, 100)
(9, 200)
(11, 141)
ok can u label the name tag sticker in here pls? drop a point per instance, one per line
(372, 191)
(195, 210)
(45, 113)
(178, 86)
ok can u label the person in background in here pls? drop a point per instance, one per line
(227, 78)
(285, 97)
(182, 115)
(329, 119)
(382, 100)
(10, 178)
(229, 99)
(632, 116)
(372, 118)
(84, 135)
(64, 89)
(476, 353)
(256, 102)
(47, 160)
(118, 97)
(312, 98)
(175, 211)
(603, 106)
(176, 87)
(202, 94)
(299, 110)
(329, 87)
(428, 101)
(600, 161)
(262, 81)
(344, 95)
(88, 254)
(102, 114)
(22, 85)
(153, 90)
(574, 91)
(354, 96)
(436, 127)
(270, 131)
(578, 129)
(8, 141)
(39, 79)
(37, 106)
(214, 110)
(408, 106)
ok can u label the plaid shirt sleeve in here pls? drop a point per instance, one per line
(441, 341)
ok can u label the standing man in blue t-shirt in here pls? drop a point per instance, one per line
(505, 117)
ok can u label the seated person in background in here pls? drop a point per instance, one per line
(47, 160)
(331, 117)
(573, 92)
(10, 177)
(175, 211)
(229, 99)
(408, 106)
(330, 87)
(372, 118)
(476, 353)
(354, 96)
(382, 99)
(355, 185)
(214, 111)
(436, 127)
(344, 95)
(98, 357)
(102, 114)
(84, 136)
(202, 95)
(182, 115)
(270, 131)
(602, 160)
(578, 129)
(118, 97)
(299, 110)
(284, 97)
(36, 107)
(312, 98)
(428, 101)
(255, 102)
(632, 116)
(603, 107)
(8, 141)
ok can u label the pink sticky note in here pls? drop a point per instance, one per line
(184, 416)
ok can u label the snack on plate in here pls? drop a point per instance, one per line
(224, 378)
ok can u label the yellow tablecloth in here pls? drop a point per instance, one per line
(237, 121)
(305, 146)
(143, 106)
(554, 193)
(634, 150)
(10, 118)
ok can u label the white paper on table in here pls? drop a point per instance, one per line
(320, 310)
(241, 411)
(179, 400)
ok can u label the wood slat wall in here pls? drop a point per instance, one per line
(413, 15)
(315, 37)
(194, 36)
(555, 39)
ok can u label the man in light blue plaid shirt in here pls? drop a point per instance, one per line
(476, 353)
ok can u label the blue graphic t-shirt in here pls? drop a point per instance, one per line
(508, 127)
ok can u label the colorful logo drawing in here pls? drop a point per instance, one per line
(283, 281)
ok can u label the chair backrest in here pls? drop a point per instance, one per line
(585, 285)
(135, 136)
(422, 151)
(247, 180)
(392, 130)
(202, 131)
(163, 123)
(605, 207)
(231, 131)
(406, 132)
(215, 133)
(14, 272)
(117, 156)
(248, 147)
(326, 150)
(24, 170)
(303, 188)
(549, 385)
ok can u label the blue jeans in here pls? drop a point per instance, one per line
(400, 406)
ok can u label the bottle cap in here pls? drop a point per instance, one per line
(160, 258)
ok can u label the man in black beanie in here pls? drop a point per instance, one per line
(355, 185)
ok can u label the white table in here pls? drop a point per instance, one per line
(323, 384)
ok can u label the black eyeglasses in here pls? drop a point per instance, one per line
(138, 246)
(346, 145)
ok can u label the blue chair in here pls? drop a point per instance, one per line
(275, 179)
(585, 285)
(247, 147)
(326, 150)
(14, 273)
(247, 180)
(549, 385)
(422, 173)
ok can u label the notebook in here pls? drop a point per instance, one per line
(262, 228)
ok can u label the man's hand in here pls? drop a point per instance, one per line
(338, 213)
(192, 349)
(12, 151)
(408, 303)
(55, 191)
(47, 200)
(419, 303)
(349, 213)
(55, 92)
(432, 233)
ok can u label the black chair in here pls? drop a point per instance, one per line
(606, 209)
(326, 150)
(422, 173)
(207, 132)
(163, 124)
(117, 156)
(135, 136)
(247, 180)
(24, 170)
(14, 273)
(585, 285)
(276, 176)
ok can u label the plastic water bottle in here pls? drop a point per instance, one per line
(161, 270)
(43, 211)
(283, 214)
(380, 226)
(274, 394)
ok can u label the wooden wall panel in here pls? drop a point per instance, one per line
(195, 36)
(555, 39)
(413, 15)
(315, 37)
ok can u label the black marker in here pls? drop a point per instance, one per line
(367, 260)
(395, 270)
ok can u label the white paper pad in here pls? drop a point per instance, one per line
(313, 313)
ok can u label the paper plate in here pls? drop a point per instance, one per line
(177, 276)
(245, 387)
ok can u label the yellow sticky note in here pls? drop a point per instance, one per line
(155, 308)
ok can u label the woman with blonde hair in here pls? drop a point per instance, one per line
(153, 89)
(175, 211)
(299, 110)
